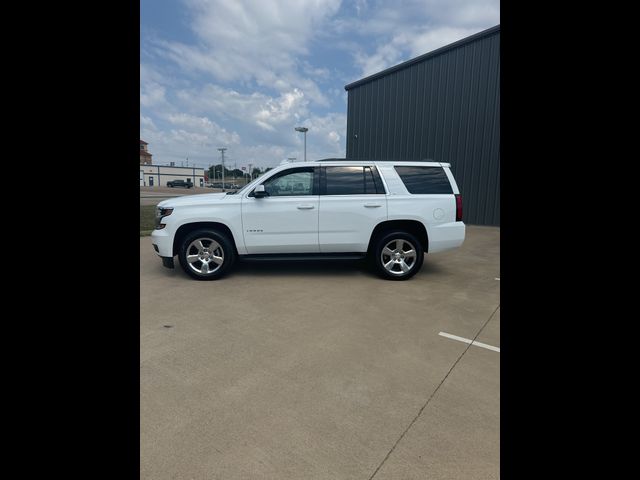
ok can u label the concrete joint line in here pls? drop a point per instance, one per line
(431, 396)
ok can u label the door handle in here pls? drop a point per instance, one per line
(305, 207)
(372, 205)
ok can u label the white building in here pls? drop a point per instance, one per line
(155, 175)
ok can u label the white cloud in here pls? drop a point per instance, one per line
(190, 131)
(384, 56)
(361, 5)
(185, 136)
(281, 110)
(253, 40)
(211, 131)
(433, 39)
(268, 32)
(147, 122)
(409, 28)
(325, 137)
(151, 94)
(255, 109)
(253, 71)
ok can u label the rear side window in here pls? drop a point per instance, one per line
(351, 181)
(424, 180)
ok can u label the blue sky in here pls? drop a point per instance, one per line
(242, 74)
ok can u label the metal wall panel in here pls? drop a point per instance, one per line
(443, 106)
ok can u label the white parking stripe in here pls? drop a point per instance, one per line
(466, 340)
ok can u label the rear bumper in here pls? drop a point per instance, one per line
(446, 236)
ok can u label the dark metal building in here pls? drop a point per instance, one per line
(443, 106)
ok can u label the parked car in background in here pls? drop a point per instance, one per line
(391, 213)
(180, 183)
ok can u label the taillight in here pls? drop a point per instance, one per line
(458, 208)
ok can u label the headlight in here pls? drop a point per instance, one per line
(162, 212)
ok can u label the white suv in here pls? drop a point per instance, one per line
(389, 212)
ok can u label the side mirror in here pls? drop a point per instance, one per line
(260, 192)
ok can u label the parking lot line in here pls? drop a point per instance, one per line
(472, 342)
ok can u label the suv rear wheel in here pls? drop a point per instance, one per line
(206, 254)
(397, 255)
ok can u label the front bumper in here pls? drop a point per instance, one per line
(162, 243)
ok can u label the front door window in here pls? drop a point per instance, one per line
(298, 182)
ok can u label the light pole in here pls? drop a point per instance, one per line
(221, 150)
(304, 130)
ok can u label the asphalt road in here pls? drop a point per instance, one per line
(322, 370)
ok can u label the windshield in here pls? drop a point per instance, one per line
(248, 186)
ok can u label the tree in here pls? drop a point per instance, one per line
(215, 172)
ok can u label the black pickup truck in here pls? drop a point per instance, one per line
(180, 183)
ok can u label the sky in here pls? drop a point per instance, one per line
(242, 74)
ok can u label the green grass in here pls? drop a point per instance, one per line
(147, 219)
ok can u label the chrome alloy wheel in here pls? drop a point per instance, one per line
(205, 256)
(398, 257)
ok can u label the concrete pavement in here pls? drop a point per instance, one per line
(322, 370)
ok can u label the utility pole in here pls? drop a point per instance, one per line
(250, 172)
(221, 150)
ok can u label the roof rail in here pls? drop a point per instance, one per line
(424, 160)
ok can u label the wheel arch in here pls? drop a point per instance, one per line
(414, 227)
(187, 228)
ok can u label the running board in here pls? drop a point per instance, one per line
(303, 256)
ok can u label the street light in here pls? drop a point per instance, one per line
(304, 130)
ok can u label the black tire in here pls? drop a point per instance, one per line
(223, 247)
(397, 260)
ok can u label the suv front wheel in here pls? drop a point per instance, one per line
(398, 255)
(206, 254)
